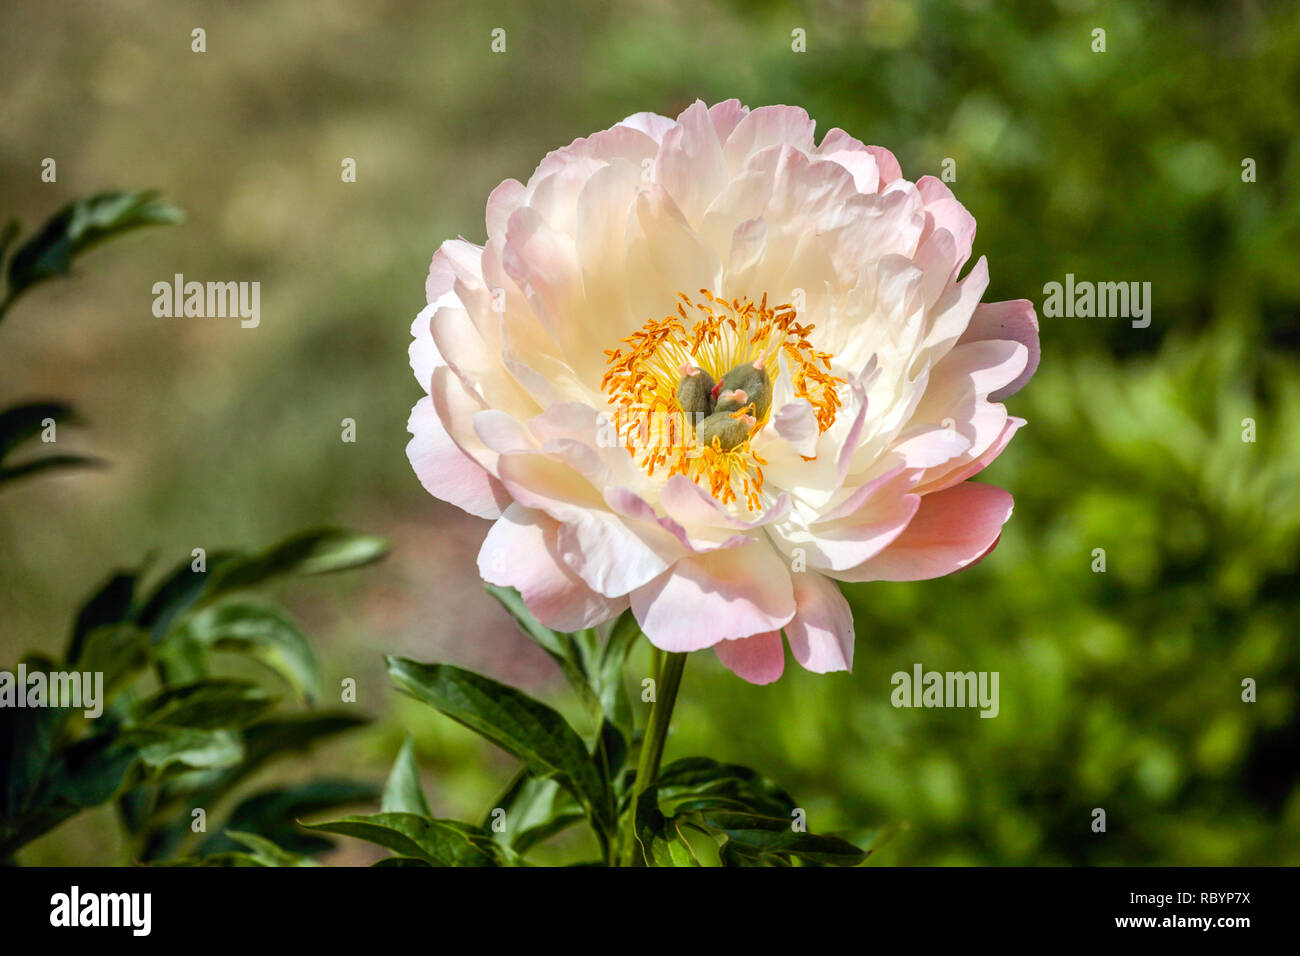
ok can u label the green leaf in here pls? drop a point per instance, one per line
(721, 786)
(269, 853)
(312, 552)
(178, 592)
(263, 742)
(400, 861)
(274, 814)
(27, 745)
(660, 841)
(204, 705)
(610, 753)
(437, 842)
(231, 859)
(262, 633)
(111, 604)
(78, 227)
(85, 774)
(7, 236)
(27, 468)
(270, 738)
(117, 651)
(535, 808)
(608, 679)
(21, 422)
(753, 834)
(164, 749)
(517, 723)
(402, 793)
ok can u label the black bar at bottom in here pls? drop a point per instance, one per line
(329, 905)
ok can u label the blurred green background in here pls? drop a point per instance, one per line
(1119, 690)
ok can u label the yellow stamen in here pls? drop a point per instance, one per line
(714, 335)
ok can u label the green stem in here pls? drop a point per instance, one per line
(668, 678)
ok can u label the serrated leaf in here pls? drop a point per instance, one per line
(517, 723)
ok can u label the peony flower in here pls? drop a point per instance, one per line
(706, 368)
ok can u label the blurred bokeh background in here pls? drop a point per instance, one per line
(1120, 690)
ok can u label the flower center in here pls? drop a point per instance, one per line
(692, 389)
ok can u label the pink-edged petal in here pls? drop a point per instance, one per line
(625, 502)
(455, 259)
(797, 424)
(544, 265)
(502, 203)
(1015, 321)
(598, 545)
(422, 352)
(652, 124)
(665, 244)
(691, 166)
(719, 595)
(928, 446)
(520, 552)
(948, 214)
(890, 170)
(962, 472)
(821, 634)
(853, 501)
(725, 116)
(759, 659)
(446, 471)
(952, 529)
(693, 507)
(840, 546)
(866, 175)
(769, 126)
(953, 312)
(500, 432)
